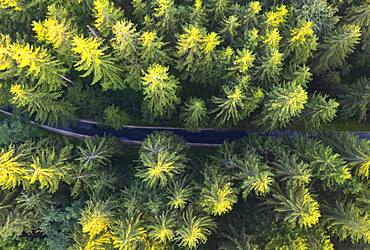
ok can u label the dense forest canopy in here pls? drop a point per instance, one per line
(263, 64)
(267, 65)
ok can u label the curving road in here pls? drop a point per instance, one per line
(134, 135)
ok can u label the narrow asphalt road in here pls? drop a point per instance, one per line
(136, 134)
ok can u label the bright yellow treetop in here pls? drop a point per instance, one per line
(163, 8)
(275, 18)
(124, 36)
(156, 76)
(28, 56)
(300, 34)
(255, 7)
(5, 61)
(88, 49)
(189, 41)
(48, 178)
(52, 31)
(272, 38)
(244, 61)
(10, 4)
(312, 215)
(210, 42)
(224, 201)
(12, 170)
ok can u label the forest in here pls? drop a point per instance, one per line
(261, 66)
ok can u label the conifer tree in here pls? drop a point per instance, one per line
(188, 47)
(328, 166)
(198, 12)
(5, 57)
(230, 109)
(125, 40)
(230, 26)
(297, 207)
(55, 29)
(152, 48)
(217, 196)
(96, 222)
(162, 157)
(106, 15)
(115, 117)
(319, 111)
(179, 194)
(302, 42)
(43, 104)
(165, 11)
(277, 17)
(292, 170)
(349, 221)
(355, 100)
(270, 66)
(162, 228)
(129, 234)
(354, 150)
(195, 229)
(254, 175)
(160, 90)
(48, 168)
(301, 75)
(96, 152)
(38, 63)
(194, 114)
(94, 60)
(12, 168)
(244, 61)
(10, 4)
(283, 103)
(338, 46)
(219, 9)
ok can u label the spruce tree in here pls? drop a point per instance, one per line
(194, 114)
(160, 90)
(46, 106)
(337, 47)
(355, 99)
(283, 103)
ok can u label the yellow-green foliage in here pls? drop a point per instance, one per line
(10, 4)
(298, 207)
(160, 90)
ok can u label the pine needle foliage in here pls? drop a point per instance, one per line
(338, 46)
(93, 60)
(319, 111)
(195, 230)
(96, 152)
(160, 90)
(282, 104)
(217, 196)
(44, 105)
(254, 175)
(194, 114)
(161, 159)
(297, 207)
(349, 221)
(355, 99)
